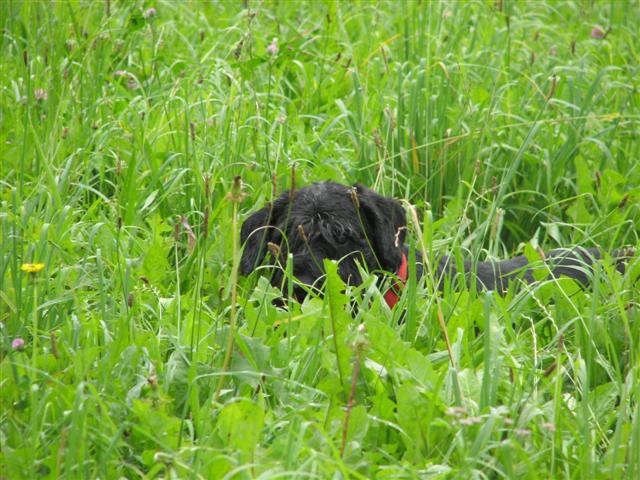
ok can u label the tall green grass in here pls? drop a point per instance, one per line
(507, 125)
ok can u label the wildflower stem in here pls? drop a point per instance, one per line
(350, 403)
(34, 350)
(236, 198)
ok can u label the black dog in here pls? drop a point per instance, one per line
(356, 225)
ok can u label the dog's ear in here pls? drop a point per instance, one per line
(385, 222)
(257, 231)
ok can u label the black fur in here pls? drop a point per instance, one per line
(355, 224)
(574, 263)
(325, 220)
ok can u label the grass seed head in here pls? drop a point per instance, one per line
(236, 194)
(354, 198)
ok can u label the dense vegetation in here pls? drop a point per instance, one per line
(507, 125)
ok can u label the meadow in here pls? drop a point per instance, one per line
(136, 136)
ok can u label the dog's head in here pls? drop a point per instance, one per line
(325, 220)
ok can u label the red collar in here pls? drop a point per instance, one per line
(392, 296)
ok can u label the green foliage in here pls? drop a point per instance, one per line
(508, 125)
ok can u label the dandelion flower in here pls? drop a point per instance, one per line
(32, 267)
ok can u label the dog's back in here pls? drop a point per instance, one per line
(576, 263)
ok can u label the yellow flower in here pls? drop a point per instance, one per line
(32, 267)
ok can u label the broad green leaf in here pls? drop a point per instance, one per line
(337, 322)
(240, 425)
